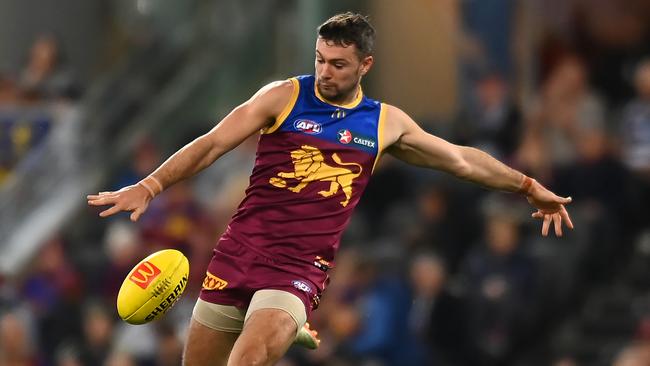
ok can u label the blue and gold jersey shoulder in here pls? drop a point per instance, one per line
(356, 125)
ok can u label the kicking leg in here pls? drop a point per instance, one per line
(213, 331)
(267, 335)
(272, 323)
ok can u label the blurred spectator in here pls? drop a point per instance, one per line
(68, 355)
(635, 132)
(8, 91)
(44, 76)
(97, 332)
(565, 111)
(145, 159)
(442, 223)
(123, 250)
(501, 282)
(489, 26)
(382, 307)
(17, 348)
(635, 124)
(53, 291)
(120, 359)
(611, 35)
(170, 347)
(636, 354)
(438, 318)
(494, 123)
(176, 220)
(139, 342)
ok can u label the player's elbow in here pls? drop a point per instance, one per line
(462, 169)
(459, 166)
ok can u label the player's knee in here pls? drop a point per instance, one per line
(251, 356)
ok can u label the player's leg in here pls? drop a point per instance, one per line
(213, 331)
(272, 322)
(267, 335)
(206, 346)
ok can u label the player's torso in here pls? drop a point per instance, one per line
(311, 167)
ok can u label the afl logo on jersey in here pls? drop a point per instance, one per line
(308, 127)
(345, 136)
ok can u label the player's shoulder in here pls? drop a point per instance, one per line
(275, 93)
(279, 87)
(394, 113)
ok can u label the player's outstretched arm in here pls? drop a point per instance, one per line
(407, 141)
(256, 113)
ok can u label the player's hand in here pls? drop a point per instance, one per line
(133, 198)
(550, 208)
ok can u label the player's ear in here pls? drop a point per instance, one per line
(366, 64)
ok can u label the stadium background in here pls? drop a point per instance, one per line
(432, 271)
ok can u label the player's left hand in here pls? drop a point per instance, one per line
(550, 207)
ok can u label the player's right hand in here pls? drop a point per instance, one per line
(133, 198)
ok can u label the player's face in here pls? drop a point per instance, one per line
(339, 70)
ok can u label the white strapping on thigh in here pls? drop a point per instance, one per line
(226, 318)
(282, 300)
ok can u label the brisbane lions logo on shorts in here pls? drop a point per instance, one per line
(309, 166)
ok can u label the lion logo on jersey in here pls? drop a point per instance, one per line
(309, 166)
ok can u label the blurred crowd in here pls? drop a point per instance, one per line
(30, 99)
(432, 271)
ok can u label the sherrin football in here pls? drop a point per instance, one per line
(153, 286)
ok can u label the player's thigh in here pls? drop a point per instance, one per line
(213, 331)
(206, 346)
(267, 335)
(272, 321)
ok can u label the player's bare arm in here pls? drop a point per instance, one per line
(258, 112)
(404, 139)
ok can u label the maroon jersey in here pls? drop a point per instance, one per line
(311, 168)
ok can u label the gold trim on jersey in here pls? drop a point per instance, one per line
(380, 134)
(350, 105)
(287, 109)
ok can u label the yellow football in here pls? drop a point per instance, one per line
(153, 286)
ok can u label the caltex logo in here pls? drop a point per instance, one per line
(345, 136)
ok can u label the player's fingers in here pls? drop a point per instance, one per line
(538, 215)
(557, 220)
(111, 211)
(566, 217)
(546, 224)
(100, 196)
(135, 215)
(101, 201)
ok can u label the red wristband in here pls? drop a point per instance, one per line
(526, 185)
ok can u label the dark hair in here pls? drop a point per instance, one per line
(349, 28)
